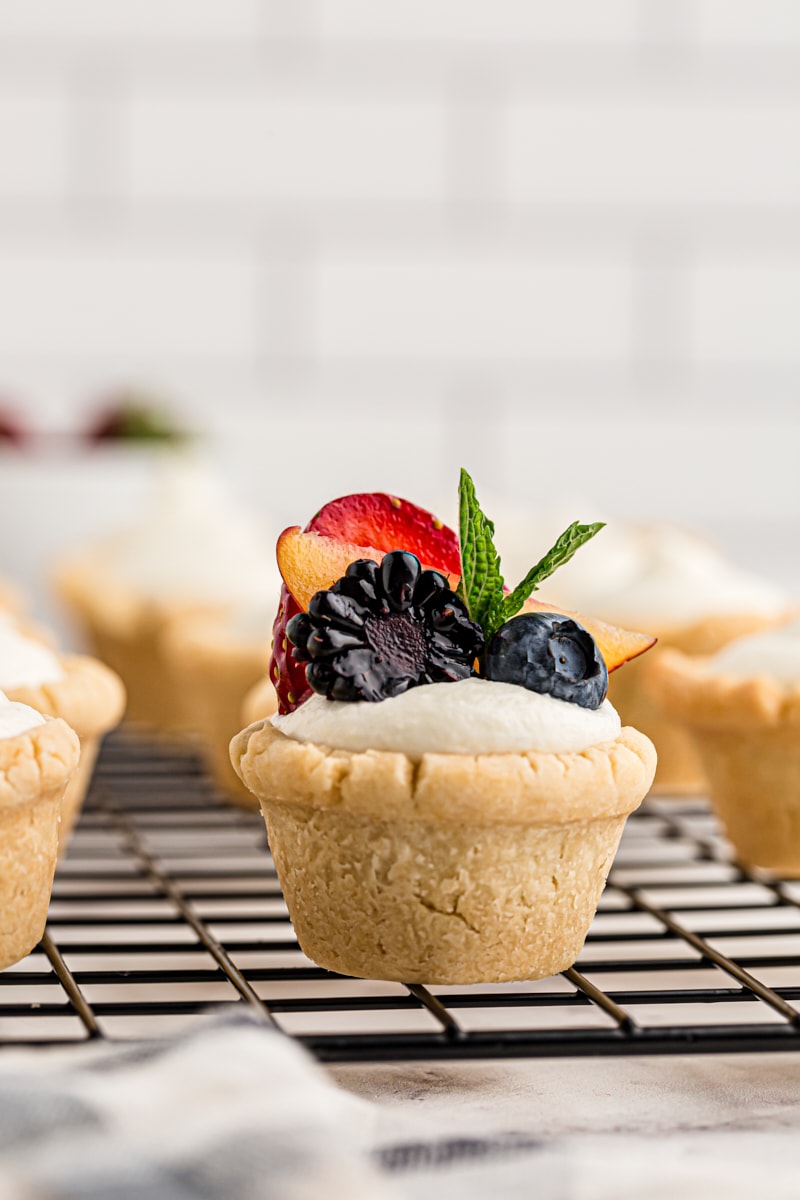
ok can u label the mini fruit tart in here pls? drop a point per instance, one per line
(80, 690)
(37, 758)
(445, 795)
(741, 707)
(193, 551)
(673, 582)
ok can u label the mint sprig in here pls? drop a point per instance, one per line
(481, 585)
(568, 543)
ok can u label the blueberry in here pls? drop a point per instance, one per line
(549, 653)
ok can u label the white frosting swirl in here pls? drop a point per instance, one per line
(473, 716)
(17, 718)
(23, 661)
(774, 653)
(195, 543)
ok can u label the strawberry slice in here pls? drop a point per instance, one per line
(362, 525)
(288, 676)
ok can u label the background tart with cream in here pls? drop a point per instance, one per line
(741, 707)
(446, 785)
(216, 659)
(678, 586)
(194, 551)
(82, 691)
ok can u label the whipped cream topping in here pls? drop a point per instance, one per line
(23, 661)
(774, 653)
(194, 543)
(472, 716)
(17, 718)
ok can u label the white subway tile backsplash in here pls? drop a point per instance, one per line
(96, 19)
(33, 144)
(473, 307)
(748, 23)
(660, 153)
(417, 235)
(747, 310)
(454, 22)
(97, 300)
(304, 143)
(684, 467)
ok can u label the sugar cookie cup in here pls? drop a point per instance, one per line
(215, 669)
(35, 767)
(91, 699)
(456, 869)
(747, 735)
(127, 632)
(636, 693)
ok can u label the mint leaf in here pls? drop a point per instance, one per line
(571, 540)
(481, 584)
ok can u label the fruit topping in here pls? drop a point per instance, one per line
(11, 428)
(287, 674)
(617, 645)
(131, 417)
(549, 653)
(364, 525)
(389, 523)
(310, 562)
(382, 629)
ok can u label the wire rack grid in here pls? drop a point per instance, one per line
(167, 906)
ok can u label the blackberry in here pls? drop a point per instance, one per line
(549, 653)
(382, 629)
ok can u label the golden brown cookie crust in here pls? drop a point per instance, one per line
(34, 769)
(494, 788)
(36, 762)
(90, 697)
(457, 869)
(690, 692)
(214, 670)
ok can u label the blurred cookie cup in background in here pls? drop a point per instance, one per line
(80, 690)
(37, 757)
(215, 660)
(192, 551)
(260, 702)
(682, 589)
(741, 709)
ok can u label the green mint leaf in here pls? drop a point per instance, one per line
(481, 583)
(571, 540)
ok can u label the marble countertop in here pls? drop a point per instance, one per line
(654, 1126)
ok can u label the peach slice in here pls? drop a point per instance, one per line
(310, 562)
(616, 645)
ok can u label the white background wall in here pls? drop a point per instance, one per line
(360, 243)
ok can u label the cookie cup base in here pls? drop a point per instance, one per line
(755, 788)
(634, 690)
(214, 674)
(34, 769)
(91, 699)
(453, 870)
(747, 734)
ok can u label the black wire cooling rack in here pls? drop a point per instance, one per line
(167, 906)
